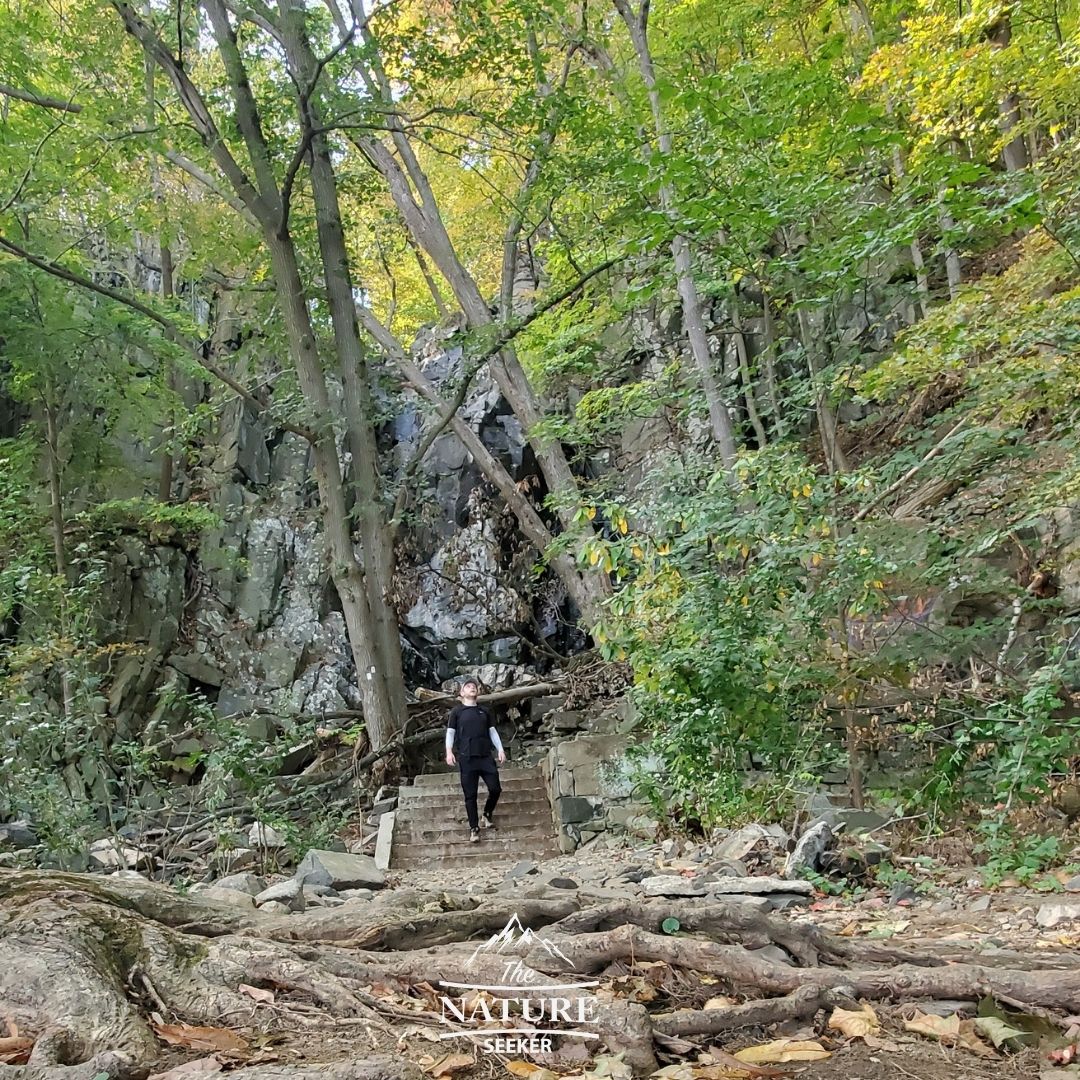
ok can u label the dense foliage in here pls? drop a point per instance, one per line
(808, 275)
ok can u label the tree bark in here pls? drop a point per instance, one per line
(532, 525)
(835, 460)
(720, 423)
(380, 683)
(376, 540)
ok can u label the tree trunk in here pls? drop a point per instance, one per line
(1015, 153)
(744, 374)
(719, 420)
(835, 461)
(84, 960)
(779, 424)
(376, 541)
(380, 718)
(165, 476)
(56, 516)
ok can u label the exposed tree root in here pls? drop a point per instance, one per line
(805, 1001)
(83, 961)
(742, 969)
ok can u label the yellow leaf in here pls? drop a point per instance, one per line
(936, 1027)
(794, 493)
(807, 490)
(591, 513)
(719, 1003)
(745, 551)
(745, 601)
(528, 1071)
(637, 552)
(780, 1050)
(594, 556)
(623, 527)
(855, 1025)
(877, 584)
(449, 1064)
(664, 548)
(815, 559)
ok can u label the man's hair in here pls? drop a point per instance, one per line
(469, 681)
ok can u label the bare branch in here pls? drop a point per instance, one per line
(172, 333)
(43, 100)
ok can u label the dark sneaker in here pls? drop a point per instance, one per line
(474, 835)
(486, 823)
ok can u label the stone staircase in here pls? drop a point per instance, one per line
(429, 828)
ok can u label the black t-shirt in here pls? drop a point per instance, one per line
(470, 724)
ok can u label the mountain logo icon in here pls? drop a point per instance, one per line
(515, 935)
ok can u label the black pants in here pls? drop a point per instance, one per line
(471, 771)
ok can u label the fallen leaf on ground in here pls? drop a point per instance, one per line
(200, 1038)
(781, 1050)
(257, 994)
(850, 930)
(611, 1065)
(15, 1050)
(447, 1065)
(528, 1071)
(198, 1067)
(418, 1029)
(950, 1031)
(679, 1071)
(936, 1027)
(12, 1027)
(998, 1031)
(855, 1025)
(729, 1065)
(719, 1003)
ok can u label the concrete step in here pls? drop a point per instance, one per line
(419, 793)
(460, 831)
(484, 850)
(463, 862)
(450, 777)
(430, 828)
(510, 802)
(537, 820)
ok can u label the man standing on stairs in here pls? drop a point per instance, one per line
(471, 730)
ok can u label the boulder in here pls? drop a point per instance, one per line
(232, 860)
(1049, 915)
(275, 907)
(232, 897)
(740, 843)
(340, 870)
(264, 836)
(809, 850)
(856, 822)
(574, 809)
(290, 893)
(521, 869)
(17, 834)
(757, 886)
(672, 885)
(248, 883)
